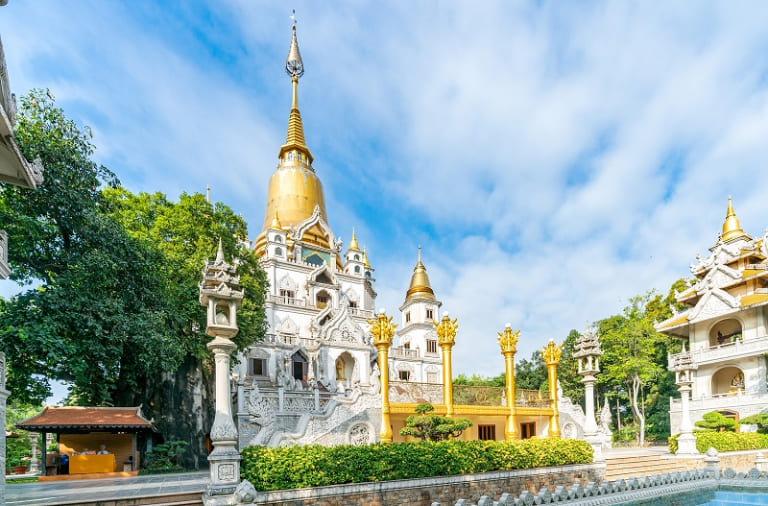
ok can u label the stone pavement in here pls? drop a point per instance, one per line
(83, 491)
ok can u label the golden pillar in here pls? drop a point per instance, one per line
(551, 354)
(446, 337)
(508, 343)
(383, 330)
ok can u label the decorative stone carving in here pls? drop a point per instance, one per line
(245, 493)
(360, 434)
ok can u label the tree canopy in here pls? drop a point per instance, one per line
(430, 427)
(116, 302)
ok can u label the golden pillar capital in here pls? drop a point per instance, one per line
(551, 354)
(446, 331)
(446, 337)
(508, 342)
(383, 331)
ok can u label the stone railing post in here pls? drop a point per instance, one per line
(508, 342)
(551, 354)
(446, 337)
(712, 467)
(383, 331)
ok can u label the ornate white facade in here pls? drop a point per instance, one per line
(314, 379)
(726, 326)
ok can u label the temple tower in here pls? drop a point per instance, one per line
(314, 379)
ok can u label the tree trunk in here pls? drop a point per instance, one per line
(634, 393)
(180, 404)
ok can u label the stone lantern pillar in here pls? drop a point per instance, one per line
(551, 354)
(383, 331)
(588, 355)
(34, 464)
(508, 343)
(220, 295)
(446, 338)
(682, 365)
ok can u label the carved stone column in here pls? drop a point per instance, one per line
(551, 354)
(34, 464)
(383, 331)
(508, 343)
(219, 293)
(683, 366)
(446, 337)
(588, 355)
(3, 397)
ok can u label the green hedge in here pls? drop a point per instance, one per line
(315, 466)
(725, 441)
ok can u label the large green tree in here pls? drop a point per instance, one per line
(115, 308)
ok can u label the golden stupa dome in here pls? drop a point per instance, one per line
(420, 287)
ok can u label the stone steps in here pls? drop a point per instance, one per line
(638, 466)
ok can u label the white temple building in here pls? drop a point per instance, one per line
(314, 379)
(725, 328)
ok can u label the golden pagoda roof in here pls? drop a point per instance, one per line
(365, 260)
(294, 189)
(420, 287)
(731, 226)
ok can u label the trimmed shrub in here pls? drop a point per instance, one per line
(315, 466)
(725, 441)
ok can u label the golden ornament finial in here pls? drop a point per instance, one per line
(365, 259)
(353, 242)
(446, 330)
(419, 287)
(551, 353)
(731, 225)
(382, 329)
(508, 340)
(276, 222)
(294, 140)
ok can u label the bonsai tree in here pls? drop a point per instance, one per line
(714, 421)
(430, 427)
(760, 419)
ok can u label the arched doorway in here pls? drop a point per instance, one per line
(299, 366)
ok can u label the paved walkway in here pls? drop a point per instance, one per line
(53, 492)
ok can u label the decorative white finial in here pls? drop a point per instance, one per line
(445, 314)
(507, 325)
(382, 310)
(220, 253)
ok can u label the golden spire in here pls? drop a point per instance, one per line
(294, 140)
(420, 287)
(731, 226)
(294, 190)
(365, 260)
(353, 242)
(276, 222)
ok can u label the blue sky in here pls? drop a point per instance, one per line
(553, 159)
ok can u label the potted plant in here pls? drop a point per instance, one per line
(18, 455)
